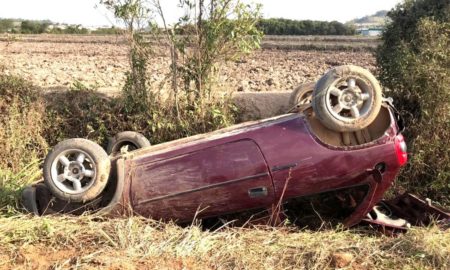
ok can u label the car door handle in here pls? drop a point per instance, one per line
(257, 192)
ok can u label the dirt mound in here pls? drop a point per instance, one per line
(254, 106)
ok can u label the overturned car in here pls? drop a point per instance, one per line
(341, 150)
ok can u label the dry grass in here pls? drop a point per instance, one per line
(135, 243)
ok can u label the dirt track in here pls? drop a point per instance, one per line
(59, 61)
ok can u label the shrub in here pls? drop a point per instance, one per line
(34, 27)
(414, 61)
(22, 117)
(107, 31)
(214, 32)
(93, 116)
(22, 145)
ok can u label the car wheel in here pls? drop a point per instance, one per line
(126, 141)
(76, 170)
(347, 98)
(302, 95)
(29, 200)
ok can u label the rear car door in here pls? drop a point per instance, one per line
(217, 180)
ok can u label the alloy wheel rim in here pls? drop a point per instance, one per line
(73, 171)
(349, 99)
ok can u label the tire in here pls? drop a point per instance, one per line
(76, 170)
(347, 98)
(302, 95)
(133, 140)
(29, 200)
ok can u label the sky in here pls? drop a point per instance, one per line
(90, 13)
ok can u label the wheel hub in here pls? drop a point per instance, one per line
(348, 99)
(75, 170)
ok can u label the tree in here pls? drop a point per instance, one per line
(210, 32)
(34, 27)
(414, 62)
(75, 29)
(215, 31)
(135, 16)
(307, 27)
(6, 25)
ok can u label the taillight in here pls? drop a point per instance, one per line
(401, 149)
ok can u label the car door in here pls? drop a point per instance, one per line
(221, 179)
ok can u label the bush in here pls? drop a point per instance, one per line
(93, 116)
(22, 115)
(22, 145)
(107, 31)
(34, 27)
(414, 61)
(6, 25)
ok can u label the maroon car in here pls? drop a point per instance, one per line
(341, 153)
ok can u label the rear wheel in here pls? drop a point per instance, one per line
(76, 170)
(126, 141)
(347, 98)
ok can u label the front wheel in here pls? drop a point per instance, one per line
(76, 170)
(302, 95)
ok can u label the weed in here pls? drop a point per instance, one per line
(22, 124)
(11, 185)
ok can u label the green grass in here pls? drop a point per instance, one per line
(11, 185)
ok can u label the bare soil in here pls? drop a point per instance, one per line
(53, 61)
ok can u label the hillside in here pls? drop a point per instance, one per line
(379, 18)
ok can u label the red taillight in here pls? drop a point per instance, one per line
(401, 150)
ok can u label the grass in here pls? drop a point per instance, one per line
(130, 243)
(11, 185)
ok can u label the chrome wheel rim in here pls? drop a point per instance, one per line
(73, 171)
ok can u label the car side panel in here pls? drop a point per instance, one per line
(213, 180)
